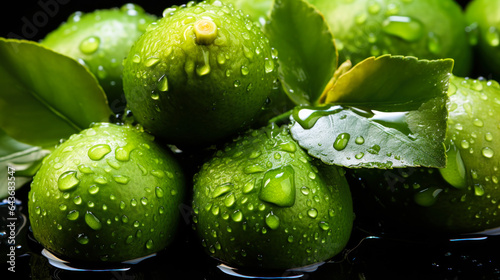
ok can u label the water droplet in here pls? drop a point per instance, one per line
(92, 221)
(427, 197)
(255, 168)
(313, 213)
(229, 200)
(478, 123)
(272, 221)
(487, 152)
(62, 207)
(236, 83)
(478, 190)
(278, 186)
(341, 141)
(68, 181)
(488, 136)
(248, 187)
(90, 45)
(237, 216)
(244, 70)
(73, 215)
(221, 190)
(162, 83)
(359, 155)
(324, 225)
(374, 150)
(82, 239)
(493, 37)
(77, 200)
(144, 201)
(288, 147)
(359, 140)
(403, 27)
(269, 65)
(93, 189)
(374, 8)
(97, 152)
(152, 61)
(159, 192)
(149, 244)
(85, 169)
(121, 179)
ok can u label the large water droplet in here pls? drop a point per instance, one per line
(149, 244)
(403, 27)
(278, 186)
(90, 45)
(221, 190)
(67, 181)
(478, 190)
(97, 152)
(237, 216)
(272, 221)
(269, 65)
(313, 213)
(73, 215)
(341, 141)
(487, 152)
(121, 179)
(92, 221)
(162, 83)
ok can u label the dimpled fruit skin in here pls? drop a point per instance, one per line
(262, 202)
(364, 28)
(196, 94)
(100, 40)
(468, 201)
(108, 193)
(486, 16)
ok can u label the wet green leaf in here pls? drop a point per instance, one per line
(306, 49)
(46, 96)
(385, 112)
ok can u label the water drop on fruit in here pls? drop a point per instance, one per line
(121, 179)
(221, 190)
(67, 181)
(82, 239)
(97, 152)
(403, 27)
(149, 244)
(90, 45)
(237, 216)
(93, 189)
(427, 197)
(278, 186)
(313, 213)
(92, 221)
(163, 83)
(272, 221)
(493, 36)
(487, 152)
(73, 215)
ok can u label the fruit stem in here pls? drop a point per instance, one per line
(205, 31)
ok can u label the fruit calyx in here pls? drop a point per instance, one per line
(205, 31)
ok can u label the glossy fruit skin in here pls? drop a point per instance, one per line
(483, 18)
(100, 40)
(364, 28)
(463, 197)
(240, 224)
(109, 193)
(196, 94)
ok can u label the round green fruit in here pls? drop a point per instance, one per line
(483, 17)
(199, 74)
(100, 40)
(262, 202)
(109, 193)
(464, 197)
(427, 29)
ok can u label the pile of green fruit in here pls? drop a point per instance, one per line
(267, 118)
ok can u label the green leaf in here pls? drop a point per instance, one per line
(46, 96)
(21, 158)
(306, 49)
(381, 82)
(389, 112)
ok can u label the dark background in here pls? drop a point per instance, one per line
(33, 19)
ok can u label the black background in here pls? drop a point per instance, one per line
(33, 19)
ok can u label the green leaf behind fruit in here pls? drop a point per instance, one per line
(306, 49)
(388, 112)
(46, 96)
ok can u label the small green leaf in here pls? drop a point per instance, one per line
(46, 96)
(386, 112)
(380, 82)
(306, 49)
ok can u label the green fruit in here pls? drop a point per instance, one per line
(464, 197)
(108, 193)
(261, 201)
(199, 74)
(100, 40)
(483, 18)
(427, 29)
(258, 10)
